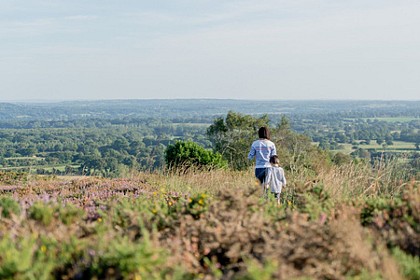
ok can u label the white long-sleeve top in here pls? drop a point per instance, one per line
(262, 150)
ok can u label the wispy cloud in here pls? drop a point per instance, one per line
(14, 27)
(81, 17)
(44, 26)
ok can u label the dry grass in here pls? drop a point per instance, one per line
(361, 180)
(210, 182)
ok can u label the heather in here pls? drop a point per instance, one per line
(211, 224)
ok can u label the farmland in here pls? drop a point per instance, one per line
(109, 138)
(397, 146)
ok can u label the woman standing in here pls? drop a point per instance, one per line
(262, 149)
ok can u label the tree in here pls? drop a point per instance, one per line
(120, 144)
(232, 137)
(93, 164)
(324, 144)
(341, 158)
(361, 153)
(296, 151)
(284, 123)
(342, 138)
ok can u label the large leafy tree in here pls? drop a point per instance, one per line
(296, 151)
(232, 137)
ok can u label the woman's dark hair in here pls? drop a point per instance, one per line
(264, 133)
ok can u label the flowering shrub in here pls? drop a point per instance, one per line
(12, 178)
(197, 205)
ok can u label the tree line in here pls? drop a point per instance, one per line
(104, 139)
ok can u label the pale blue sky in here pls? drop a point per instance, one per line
(295, 49)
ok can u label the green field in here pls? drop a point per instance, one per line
(398, 146)
(192, 124)
(59, 167)
(394, 119)
(25, 158)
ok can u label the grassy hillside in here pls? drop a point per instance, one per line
(347, 222)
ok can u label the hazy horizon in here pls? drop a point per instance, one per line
(242, 50)
(218, 99)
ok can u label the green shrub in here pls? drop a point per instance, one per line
(317, 201)
(8, 206)
(366, 275)
(20, 259)
(126, 259)
(258, 271)
(15, 261)
(185, 155)
(396, 219)
(41, 212)
(125, 212)
(69, 213)
(372, 207)
(409, 265)
(66, 257)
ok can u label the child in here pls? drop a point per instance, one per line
(275, 179)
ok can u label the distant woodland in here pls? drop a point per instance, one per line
(110, 138)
